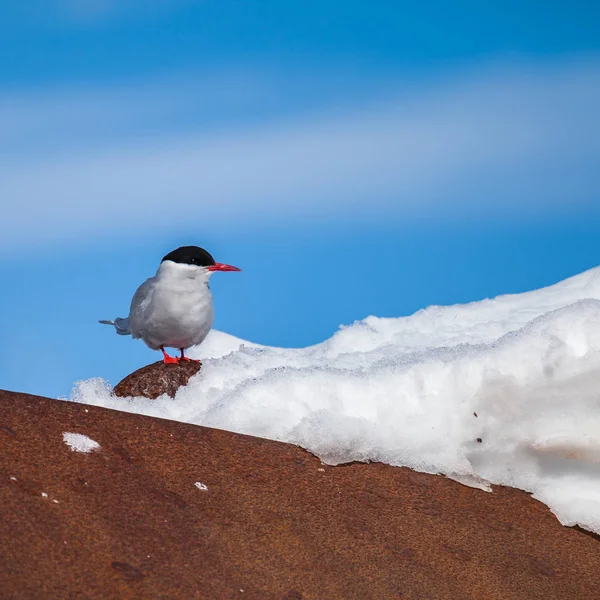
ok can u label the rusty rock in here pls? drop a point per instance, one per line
(157, 379)
(168, 510)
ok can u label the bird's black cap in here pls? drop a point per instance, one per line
(190, 255)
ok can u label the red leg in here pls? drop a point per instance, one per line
(184, 357)
(169, 360)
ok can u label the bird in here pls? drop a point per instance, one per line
(174, 308)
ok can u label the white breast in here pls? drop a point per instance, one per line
(174, 308)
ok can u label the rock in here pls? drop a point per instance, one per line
(168, 510)
(157, 379)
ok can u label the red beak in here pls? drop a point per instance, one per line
(222, 267)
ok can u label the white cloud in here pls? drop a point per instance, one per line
(100, 10)
(501, 141)
(89, 12)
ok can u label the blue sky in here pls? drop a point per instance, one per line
(373, 158)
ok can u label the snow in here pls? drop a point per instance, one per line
(519, 372)
(79, 442)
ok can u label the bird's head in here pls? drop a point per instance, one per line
(196, 261)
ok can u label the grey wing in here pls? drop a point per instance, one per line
(139, 307)
(139, 302)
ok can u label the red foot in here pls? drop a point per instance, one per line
(184, 357)
(169, 360)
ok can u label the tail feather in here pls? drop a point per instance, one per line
(121, 325)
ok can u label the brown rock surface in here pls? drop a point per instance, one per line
(127, 521)
(157, 379)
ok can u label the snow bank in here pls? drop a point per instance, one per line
(505, 391)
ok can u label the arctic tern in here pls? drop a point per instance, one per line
(174, 308)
